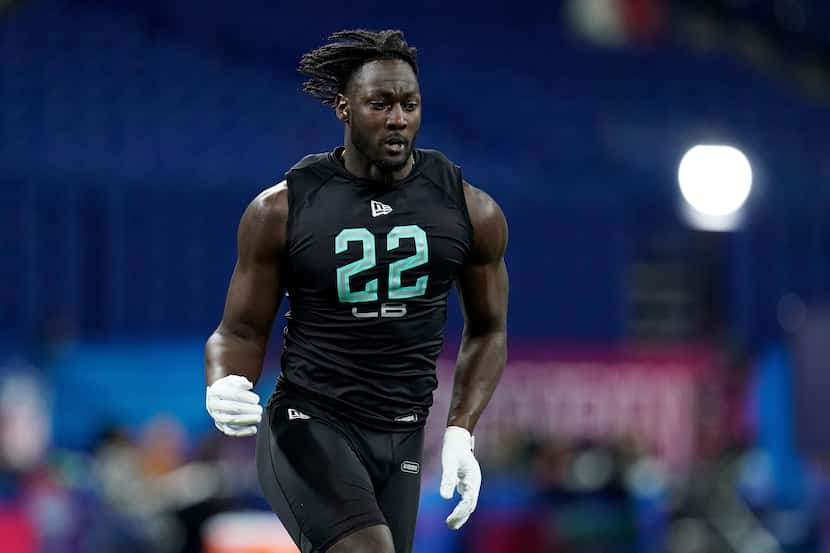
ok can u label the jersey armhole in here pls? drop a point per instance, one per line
(289, 220)
(465, 211)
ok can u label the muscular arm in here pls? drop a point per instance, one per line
(483, 289)
(238, 345)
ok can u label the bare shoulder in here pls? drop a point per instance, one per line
(489, 225)
(263, 224)
(270, 204)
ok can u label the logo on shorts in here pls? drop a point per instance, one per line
(294, 414)
(411, 417)
(411, 467)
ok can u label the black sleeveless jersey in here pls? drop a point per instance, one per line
(368, 268)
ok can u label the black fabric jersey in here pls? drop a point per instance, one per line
(368, 269)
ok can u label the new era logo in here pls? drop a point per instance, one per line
(411, 467)
(294, 414)
(380, 209)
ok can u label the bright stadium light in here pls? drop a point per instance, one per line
(715, 182)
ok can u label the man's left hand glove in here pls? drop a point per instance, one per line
(461, 471)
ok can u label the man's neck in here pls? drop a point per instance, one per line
(359, 166)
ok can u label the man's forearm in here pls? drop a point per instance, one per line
(229, 353)
(480, 364)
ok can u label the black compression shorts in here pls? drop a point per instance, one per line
(326, 478)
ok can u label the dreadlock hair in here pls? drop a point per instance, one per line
(330, 66)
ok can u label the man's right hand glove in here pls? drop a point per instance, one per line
(234, 407)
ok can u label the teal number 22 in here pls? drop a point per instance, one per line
(368, 260)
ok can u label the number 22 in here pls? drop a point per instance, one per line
(368, 260)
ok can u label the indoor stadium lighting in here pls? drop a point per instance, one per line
(715, 182)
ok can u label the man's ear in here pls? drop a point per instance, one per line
(341, 107)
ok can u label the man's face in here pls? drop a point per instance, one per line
(384, 116)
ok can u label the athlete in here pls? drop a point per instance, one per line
(366, 240)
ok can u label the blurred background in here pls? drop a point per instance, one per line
(664, 169)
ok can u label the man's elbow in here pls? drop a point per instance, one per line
(495, 329)
(238, 332)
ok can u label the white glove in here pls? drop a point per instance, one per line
(461, 471)
(234, 407)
